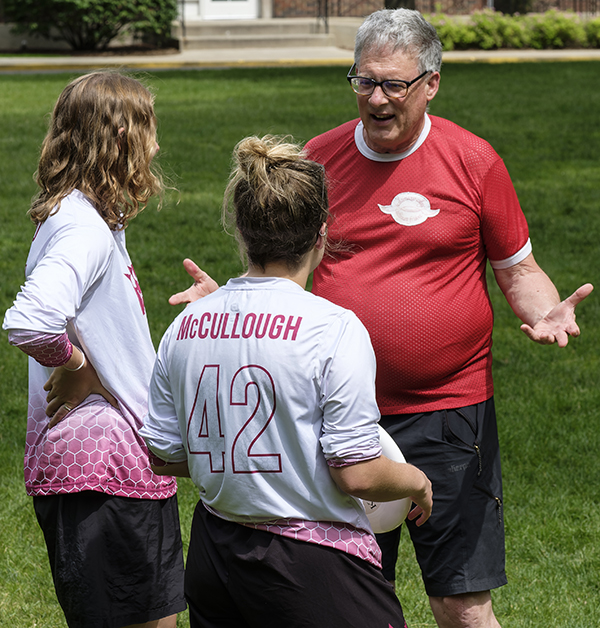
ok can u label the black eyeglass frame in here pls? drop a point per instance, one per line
(381, 84)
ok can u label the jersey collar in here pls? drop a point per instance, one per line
(367, 152)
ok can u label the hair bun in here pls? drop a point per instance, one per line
(257, 158)
(276, 200)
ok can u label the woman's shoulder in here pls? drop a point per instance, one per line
(76, 215)
(78, 209)
(74, 229)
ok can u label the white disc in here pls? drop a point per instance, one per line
(386, 516)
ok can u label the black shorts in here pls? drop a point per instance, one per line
(239, 577)
(460, 549)
(115, 560)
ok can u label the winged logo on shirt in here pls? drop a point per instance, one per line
(409, 209)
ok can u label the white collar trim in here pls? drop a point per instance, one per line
(369, 153)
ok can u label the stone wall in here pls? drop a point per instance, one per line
(310, 8)
(450, 7)
(362, 8)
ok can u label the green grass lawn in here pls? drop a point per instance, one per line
(541, 118)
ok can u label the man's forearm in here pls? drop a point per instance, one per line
(528, 290)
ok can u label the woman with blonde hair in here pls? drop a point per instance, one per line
(110, 523)
(264, 395)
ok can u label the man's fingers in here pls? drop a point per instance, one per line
(559, 323)
(187, 296)
(539, 337)
(580, 294)
(528, 331)
(562, 339)
(193, 270)
(177, 299)
(204, 284)
(196, 273)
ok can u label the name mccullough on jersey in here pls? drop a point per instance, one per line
(225, 325)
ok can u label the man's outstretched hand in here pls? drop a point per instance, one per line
(559, 323)
(202, 286)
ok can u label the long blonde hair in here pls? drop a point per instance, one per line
(101, 141)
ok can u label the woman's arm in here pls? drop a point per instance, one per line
(74, 377)
(384, 480)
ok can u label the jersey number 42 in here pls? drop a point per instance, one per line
(252, 388)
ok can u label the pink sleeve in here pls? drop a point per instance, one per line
(47, 349)
(346, 462)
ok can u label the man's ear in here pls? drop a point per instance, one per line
(433, 84)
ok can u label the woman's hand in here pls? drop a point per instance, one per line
(177, 469)
(67, 388)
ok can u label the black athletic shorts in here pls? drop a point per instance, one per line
(460, 549)
(239, 577)
(115, 560)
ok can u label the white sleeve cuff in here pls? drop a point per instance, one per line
(519, 256)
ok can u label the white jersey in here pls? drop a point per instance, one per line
(261, 385)
(80, 280)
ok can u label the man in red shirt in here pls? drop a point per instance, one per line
(421, 205)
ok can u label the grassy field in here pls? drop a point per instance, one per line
(542, 119)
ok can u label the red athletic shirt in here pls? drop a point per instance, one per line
(420, 230)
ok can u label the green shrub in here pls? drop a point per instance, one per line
(93, 24)
(592, 31)
(454, 34)
(557, 30)
(515, 32)
(490, 30)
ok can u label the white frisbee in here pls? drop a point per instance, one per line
(386, 516)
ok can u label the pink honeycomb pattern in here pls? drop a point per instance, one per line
(336, 534)
(95, 447)
(47, 349)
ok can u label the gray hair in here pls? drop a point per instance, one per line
(400, 29)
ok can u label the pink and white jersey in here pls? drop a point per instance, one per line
(261, 385)
(80, 280)
(418, 229)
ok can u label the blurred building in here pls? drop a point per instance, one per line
(267, 9)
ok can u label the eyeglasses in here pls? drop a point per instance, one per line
(364, 86)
